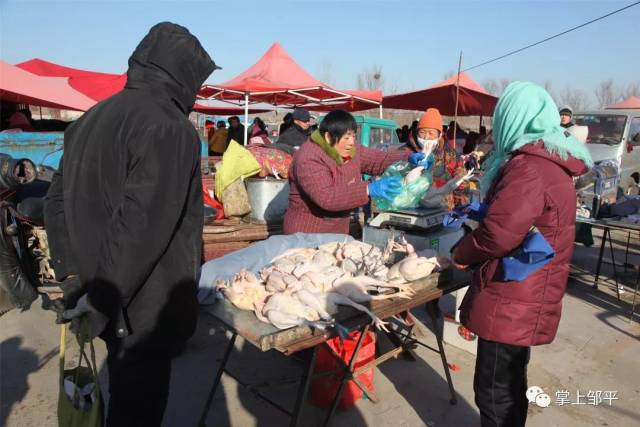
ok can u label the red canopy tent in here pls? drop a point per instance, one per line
(633, 102)
(95, 85)
(99, 86)
(19, 86)
(278, 80)
(473, 99)
(224, 110)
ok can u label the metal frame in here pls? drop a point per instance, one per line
(606, 235)
(220, 91)
(404, 344)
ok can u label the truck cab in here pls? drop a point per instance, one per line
(376, 133)
(614, 135)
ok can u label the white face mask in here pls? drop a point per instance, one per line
(428, 145)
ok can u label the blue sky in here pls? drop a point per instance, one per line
(415, 42)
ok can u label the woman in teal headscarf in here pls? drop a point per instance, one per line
(528, 183)
(525, 115)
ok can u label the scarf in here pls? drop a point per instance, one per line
(319, 140)
(526, 114)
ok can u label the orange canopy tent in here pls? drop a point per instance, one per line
(473, 99)
(278, 80)
(633, 102)
(20, 86)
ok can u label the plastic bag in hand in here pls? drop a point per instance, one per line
(411, 192)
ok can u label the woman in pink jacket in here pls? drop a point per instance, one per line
(326, 177)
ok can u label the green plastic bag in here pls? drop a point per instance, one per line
(411, 193)
(78, 410)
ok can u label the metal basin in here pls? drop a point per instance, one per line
(269, 198)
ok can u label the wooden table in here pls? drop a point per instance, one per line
(266, 337)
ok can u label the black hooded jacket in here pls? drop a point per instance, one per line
(125, 210)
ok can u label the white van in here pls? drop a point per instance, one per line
(615, 135)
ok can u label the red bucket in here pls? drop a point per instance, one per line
(324, 389)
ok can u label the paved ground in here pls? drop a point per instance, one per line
(597, 348)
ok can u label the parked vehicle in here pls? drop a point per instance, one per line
(376, 133)
(614, 135)
(45, 148)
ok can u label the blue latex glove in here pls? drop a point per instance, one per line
(385, 188)
(416, 158)
(421, 159)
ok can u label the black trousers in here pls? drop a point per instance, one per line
(500, 384)
(138, 386)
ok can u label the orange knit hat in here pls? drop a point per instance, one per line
(431, 119)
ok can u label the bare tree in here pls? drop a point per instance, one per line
(371, 79)
(575, 98)
(549, 88)
(393, 89)
(633, 89)
(503, 84)
(606, 93)
(326, 73)
(449, 74)
(492, 86)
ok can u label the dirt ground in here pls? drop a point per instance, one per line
(597, 349)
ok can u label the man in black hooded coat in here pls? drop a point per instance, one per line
(124, 214)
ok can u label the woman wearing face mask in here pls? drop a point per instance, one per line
(326, 177)
(447, 163)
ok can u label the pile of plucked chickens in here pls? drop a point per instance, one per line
(304, 286)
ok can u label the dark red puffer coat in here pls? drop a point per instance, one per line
(534, 188)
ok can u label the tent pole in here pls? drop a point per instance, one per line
(40, 111)
(455, 114)
(246, 116)
(381, 112)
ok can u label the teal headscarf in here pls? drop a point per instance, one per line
(525, 114)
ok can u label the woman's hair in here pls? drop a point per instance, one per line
(337, 123)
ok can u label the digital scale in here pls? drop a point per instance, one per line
(409, 219)
(421, 227)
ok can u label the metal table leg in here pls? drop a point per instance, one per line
(304, 388)
(613, 263)
(626, 252)
(603, 242)
(431, 308)
(635, 293)
(216, 382)
(348, 374)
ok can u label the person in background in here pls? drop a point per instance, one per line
(399, 134)
(528, 183)
(258, 133)
(404, 138)
(136, 248)
(210, 127)
(297, 133)
(20, 121)
(471, 142)
(325, 177)
(236, 131)
(218, 145)
(566, 117)
(287, 121)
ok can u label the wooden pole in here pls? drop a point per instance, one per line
(455, 114)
